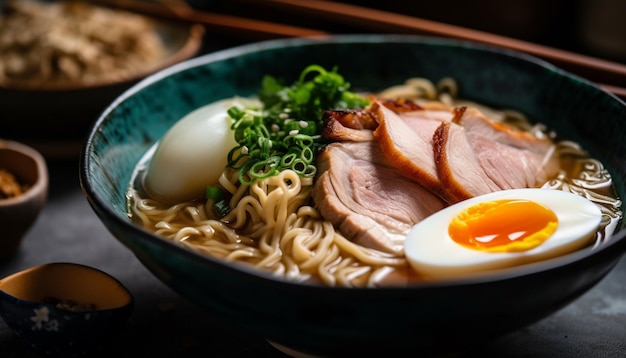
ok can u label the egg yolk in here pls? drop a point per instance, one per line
(503, 226)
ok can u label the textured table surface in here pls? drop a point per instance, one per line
(165, 324)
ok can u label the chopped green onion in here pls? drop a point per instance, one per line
(214, 193)
(285, 132)
(220, 204)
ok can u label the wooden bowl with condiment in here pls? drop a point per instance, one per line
(23, 192)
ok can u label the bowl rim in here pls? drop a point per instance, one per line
(611, 249)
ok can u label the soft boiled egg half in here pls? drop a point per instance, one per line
(501, 230)
(193, 152)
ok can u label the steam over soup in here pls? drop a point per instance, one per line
(323, 185)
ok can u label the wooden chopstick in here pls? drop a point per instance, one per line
(609, 75)
(224, 24)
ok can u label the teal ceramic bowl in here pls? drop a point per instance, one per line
(428, 318)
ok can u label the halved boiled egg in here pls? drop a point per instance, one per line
(501, 230)
(193, 153)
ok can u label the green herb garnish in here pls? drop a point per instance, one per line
(218, 197)
(285, 132)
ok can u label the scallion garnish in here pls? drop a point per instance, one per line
(220, 204)
(213, 193)
(285, 132)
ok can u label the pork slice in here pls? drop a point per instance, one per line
(409, 148)
(400, 105)
(368, 201)
(349, 125)
(471, 164)
(437, 115)
(359, 124)
(476, 122)
(511, 167)
(512, 158)
(457, 164)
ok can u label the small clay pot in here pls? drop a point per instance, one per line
(24, 166)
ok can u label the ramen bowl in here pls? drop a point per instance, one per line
(64, 309)
(431, 318)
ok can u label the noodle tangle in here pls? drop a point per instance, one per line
(272, 227)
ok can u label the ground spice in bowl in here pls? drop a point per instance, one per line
(10, 187)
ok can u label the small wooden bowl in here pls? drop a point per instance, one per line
(18, 213)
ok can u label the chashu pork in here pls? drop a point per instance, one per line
(460, 153)
(345, 124)
(408, 148)
(391, 165)
(476, 156)
(370, 202)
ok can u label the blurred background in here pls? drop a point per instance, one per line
(189, 28)
(593, 27)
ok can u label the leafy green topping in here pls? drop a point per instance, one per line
(285, 132)
(218, 196)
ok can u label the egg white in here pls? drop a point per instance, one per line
(193, 153)
(433, 254)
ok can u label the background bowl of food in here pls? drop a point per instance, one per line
(62, 62)
(365, 194)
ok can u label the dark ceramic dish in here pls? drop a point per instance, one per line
(64, 309)
(428, 319)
